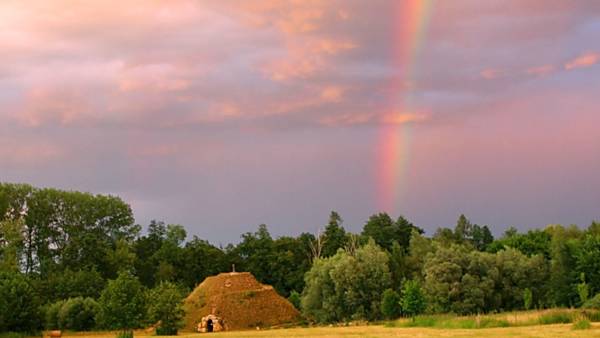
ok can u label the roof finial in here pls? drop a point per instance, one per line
(232, 267)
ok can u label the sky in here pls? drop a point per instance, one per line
(222, 115)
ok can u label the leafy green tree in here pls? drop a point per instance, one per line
(165, 303)
(345, 287)
(19, 307)
(398, 263)
(413, 299)
(563, 275)
(71, 284)
(201, 259)
(481, 237)
(445, 236)
(390, 304)
(386, 231)
(534, 242)
(419, 249)
(122, 303)
(65, 228)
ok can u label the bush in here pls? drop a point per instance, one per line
(52, 313)
(593, 303)
(592, 315)
(390, 304)
(165, 307)
(19, 309)
(556, 317)
(78, 314)
(582, 324)
(413, 300)
(122, 304)
(12, 335)
(294, 298)
(125, 334)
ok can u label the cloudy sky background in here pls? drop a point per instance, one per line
(221, 115)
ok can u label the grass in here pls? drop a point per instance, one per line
(510, 319)
(582, 324)
(539, 331)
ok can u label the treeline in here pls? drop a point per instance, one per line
(64, 254)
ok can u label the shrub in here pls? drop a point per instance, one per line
(165, 307)
(390, 304)
(12, 335)
(294, 298)
(592, 315)
(122, 304)
(78, 314)
(491, 322)
(582, 324)
(556, 317)
(125, 334)
(52, 311)
(593, 303)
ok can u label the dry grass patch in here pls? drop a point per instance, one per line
(540, 331)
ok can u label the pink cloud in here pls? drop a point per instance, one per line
(332, 93)
(541, 70)
(391, 118)
(490, 73)
(28, 153)
(582, 61)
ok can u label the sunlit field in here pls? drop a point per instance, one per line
(558, 330)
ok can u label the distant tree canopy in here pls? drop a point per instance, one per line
(79, 261)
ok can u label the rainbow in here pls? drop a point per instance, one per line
(393, 150)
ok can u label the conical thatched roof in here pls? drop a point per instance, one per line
(240, 300)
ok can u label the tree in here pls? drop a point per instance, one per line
(122, 303)
(11, 244)
(334, 237)
(527, 298)
(165, 307)
(413, 299)
(71, 284)
(463, 230)
(386, 231)
(345, 287)
(18, 304)
(587, 261)
(77, 314)
(390, 304)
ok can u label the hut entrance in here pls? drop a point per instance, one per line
(209, 326)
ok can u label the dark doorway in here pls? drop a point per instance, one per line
(209, 326)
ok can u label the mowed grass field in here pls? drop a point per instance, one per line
(541, 331)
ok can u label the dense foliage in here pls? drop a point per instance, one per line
(165, 308)
(78, 261)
